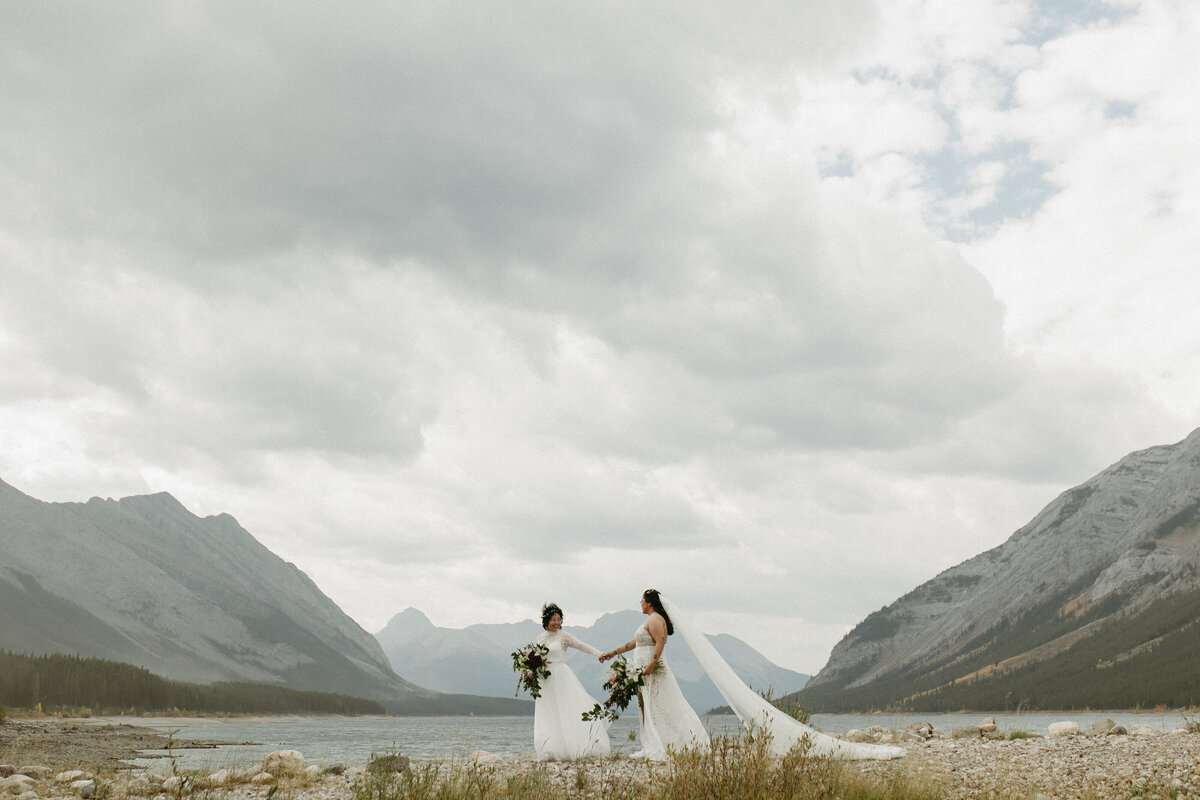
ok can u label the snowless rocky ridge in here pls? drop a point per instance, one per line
(1132, 528)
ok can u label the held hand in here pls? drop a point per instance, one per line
(606, 656)
(649, 668)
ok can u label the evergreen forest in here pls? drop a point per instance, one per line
(71, 683)
(1145, 658)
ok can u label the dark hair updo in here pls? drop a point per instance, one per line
(548, 611)
(651, 597)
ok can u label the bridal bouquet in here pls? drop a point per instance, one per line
(622, 685)
(530, 664)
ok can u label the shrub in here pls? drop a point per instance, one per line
(734, 769)
(788, 704)
(730, 769)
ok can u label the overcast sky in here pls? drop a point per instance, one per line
(781, 308)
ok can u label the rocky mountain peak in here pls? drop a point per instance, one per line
(1122, 540)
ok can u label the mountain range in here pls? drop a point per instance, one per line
(1095, 602)
(477, 660)
(143, 581)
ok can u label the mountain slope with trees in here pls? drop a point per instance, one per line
(145, 582)
(1094, 602)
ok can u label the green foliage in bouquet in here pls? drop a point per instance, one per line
(530, 665)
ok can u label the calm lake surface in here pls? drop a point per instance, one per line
(353, 740)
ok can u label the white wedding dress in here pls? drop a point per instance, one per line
(759, 716)
(559, 731)
(667, 719)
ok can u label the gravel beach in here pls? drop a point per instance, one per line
(1072, 766)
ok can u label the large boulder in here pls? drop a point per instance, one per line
(18, 783)
(1063, 729)
(72, 775)
(965, 732)
(284, 763)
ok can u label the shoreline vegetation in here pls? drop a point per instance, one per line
(85, 686)
(74, 760)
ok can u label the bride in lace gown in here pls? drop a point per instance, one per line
(668, 722)
(559, 731)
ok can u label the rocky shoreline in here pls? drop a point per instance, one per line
(969, 762)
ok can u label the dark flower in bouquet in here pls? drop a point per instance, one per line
(530, 665)
(622, 686)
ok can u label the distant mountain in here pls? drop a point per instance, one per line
(477, 659)
(1095, 602)
(143, 581)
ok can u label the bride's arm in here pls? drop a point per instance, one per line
(571, 641)
(625, 648)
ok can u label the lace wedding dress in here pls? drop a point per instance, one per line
(757, 714)
(667, 719)
(559, 732)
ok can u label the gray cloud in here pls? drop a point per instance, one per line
(443, 284)
(448, 134)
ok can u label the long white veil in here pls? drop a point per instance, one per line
(756, 713)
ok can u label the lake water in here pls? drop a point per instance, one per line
(353, 740)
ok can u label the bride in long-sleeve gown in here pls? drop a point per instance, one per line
(559, 731)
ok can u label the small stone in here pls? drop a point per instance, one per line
(83, 788)
(172, 783)
(922, 729)
(71, 775)
(6, 770)
(1143, 730)
(965, 732)
(219, 778)
(262, 778)
(313, 772)
(484, 757)
(1101, 726)
(336, 769)
(37, 773)
(1117, 730)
